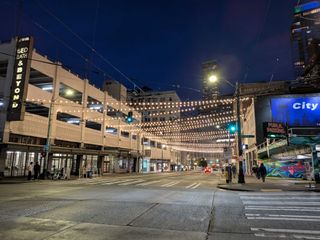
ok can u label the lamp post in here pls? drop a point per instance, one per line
(212, 79)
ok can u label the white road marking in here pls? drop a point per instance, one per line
(281, 215)
(314, 232)
(194, 187)
(281, 203)
(128, 183)
(170, 184)
(148, 183)
(278, 198)
(269, 208)
(121, 181)
(286, 219)
(287, 236)
(191, 185)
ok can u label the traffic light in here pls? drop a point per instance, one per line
(129, 117)
(232, 128)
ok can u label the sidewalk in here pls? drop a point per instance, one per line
(270, 185)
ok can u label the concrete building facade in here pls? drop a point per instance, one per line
(65, 122)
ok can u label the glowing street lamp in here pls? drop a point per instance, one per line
(213, 78)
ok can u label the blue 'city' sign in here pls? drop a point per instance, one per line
(296, 111)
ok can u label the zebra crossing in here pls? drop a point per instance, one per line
(288, 215)
(162, 183)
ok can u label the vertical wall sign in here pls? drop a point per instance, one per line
(20, 79)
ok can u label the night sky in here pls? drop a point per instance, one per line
(159, 43)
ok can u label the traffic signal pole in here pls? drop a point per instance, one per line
(241, 173)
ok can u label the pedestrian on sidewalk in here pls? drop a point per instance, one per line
(30, 169)
(36, 170)
(234, 170)
(228, 174)
(263, 172)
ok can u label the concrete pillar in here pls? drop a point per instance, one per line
(83, 115)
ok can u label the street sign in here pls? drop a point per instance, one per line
(247, 136)
(274, 130)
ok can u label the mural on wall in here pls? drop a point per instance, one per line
(287, 169)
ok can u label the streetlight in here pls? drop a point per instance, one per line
(213, 78)
(238, 127)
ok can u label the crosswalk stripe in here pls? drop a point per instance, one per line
(282, 218)
(129, 183)
(116, 182)
(194, 187)
(170, 184)
(278, 198)
(191, 185)
(271, 208)
(281, 203)
(281, 215)
(148, 183)
(279, 230)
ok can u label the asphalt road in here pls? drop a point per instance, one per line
(154, 206)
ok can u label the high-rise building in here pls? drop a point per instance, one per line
(210, 75)
(305, 36)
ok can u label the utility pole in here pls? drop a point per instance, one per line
(241, 174)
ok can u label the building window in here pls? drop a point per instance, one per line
(125, 134)
(3, 68)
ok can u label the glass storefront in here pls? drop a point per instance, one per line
(17, 162)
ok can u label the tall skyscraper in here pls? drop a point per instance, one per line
(305, 36)
(209, 84)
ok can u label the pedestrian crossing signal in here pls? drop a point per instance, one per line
(129, 117)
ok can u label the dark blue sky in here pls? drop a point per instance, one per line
(161, 43)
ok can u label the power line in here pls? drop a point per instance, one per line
(87, 44)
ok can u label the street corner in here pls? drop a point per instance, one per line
(236, 187)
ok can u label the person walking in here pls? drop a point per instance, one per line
(30, 168)
(263, 172)
(234, 170)
(36, 170)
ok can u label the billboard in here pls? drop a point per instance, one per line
(296, 111)
(20, 79)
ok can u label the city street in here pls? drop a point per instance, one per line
(185, 205)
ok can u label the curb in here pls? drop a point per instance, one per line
(259, 190)
(235, 189)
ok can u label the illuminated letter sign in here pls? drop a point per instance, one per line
(20, 79)
(297, 111)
